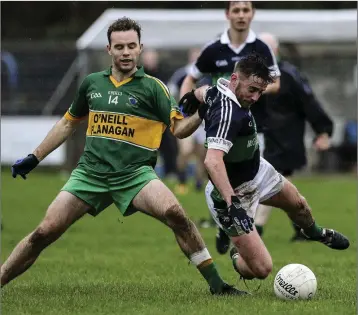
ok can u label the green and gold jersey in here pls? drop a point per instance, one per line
(126, 120)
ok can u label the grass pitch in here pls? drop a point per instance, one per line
(116, 265)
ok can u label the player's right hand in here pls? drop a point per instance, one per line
(240, 219)
(24, 166)
(189, 103)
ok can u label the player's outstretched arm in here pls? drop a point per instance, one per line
(192, 104)
(185, 127)
(56, 136)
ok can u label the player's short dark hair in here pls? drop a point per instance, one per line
(228, 4)
(254, 64)
(122, 25)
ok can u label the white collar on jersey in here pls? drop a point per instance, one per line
(223, 87)
(224, 39)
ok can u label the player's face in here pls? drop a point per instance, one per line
(125, 50)
(248, 89)
(240, 15)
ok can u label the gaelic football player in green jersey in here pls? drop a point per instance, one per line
(127, 112)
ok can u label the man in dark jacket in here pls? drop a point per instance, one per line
(284, 124)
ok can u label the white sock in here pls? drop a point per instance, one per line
(199, 257)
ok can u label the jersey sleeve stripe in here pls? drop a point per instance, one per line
(71, 117)
(225, 119)
(221, 116)
(161, 84)
(227, 126)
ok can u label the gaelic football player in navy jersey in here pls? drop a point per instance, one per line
(239, 178)
(218, 59)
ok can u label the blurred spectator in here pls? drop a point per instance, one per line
(168, 148)
(179, 75)
(193, 145)
(284, 125)
(150, 62)
(9, 78)
(347, 151)
(11, 67)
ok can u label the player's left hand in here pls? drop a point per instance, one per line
(322, 142)
(24, 166)
(240, 219)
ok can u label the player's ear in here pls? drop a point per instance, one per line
(227, 14)
(234, 77)
(141, 48)
(109, 50)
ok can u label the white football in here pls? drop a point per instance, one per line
(295, 282)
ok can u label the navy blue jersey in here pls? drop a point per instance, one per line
(218, 57)
(232, 129)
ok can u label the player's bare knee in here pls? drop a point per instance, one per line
(39, 238)
(262, 269)
(177, 219)
(44, 235)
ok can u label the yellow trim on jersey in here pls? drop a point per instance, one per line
(139, 131)
(69, 117)
(174, 114)
(118, 84)
(161, 84)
